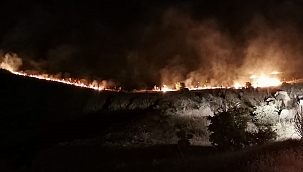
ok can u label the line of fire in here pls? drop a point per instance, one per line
(253, 81)
(273, 79)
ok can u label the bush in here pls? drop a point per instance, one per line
(229, 130)
(264, 134)
(266, 115)
(184, 137)
(299, 123)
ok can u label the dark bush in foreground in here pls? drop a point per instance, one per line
(229, 130)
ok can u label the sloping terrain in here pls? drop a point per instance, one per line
(40, 115)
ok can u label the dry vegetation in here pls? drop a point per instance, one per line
(279, 156)
(131, 132)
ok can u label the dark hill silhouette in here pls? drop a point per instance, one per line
(35, 114)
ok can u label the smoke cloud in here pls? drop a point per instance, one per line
(272, 48)
(202, 53)
(190, 51)
(196, 43)
(11, 62)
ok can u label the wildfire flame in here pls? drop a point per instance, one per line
(257, 81)
(10, 61)
(237, 85)
(261, 81)
(69, 82)
(265, 81)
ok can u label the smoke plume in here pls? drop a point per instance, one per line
(202, 53)
(198, 43)
(11, 62)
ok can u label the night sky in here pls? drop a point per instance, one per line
(138, 44)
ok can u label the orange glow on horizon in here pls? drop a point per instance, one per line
(258, 81)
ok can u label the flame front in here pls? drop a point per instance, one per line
(12, 63)
(258, 81)
(261, 81)
(69, 82)
(265, 81)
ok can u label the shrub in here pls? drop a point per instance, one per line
(264, 134)
(266, 115)
(184, 137)
(229, 130)
(299, 123)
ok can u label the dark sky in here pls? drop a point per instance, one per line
(142, 43)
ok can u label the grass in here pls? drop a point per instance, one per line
(275, 157)
(283, 156)
(285, 160)
(36, 113)
(153, 129)
(92, 158)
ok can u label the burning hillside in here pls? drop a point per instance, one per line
(12, 62)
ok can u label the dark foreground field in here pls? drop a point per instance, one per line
(278, 157)
(46, 126)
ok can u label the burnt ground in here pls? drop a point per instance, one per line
(47, 126)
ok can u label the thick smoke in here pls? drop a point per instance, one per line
(59, 57)
(199, 45)
(11, 62)
(272, 49)
(194, 52)
(215, 53)
(200, 53)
